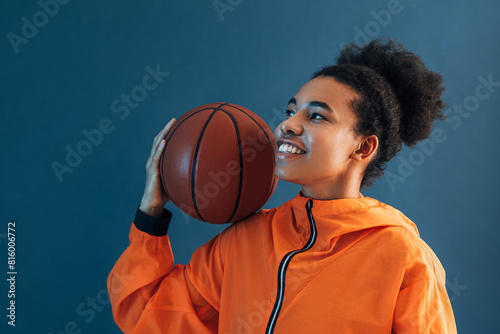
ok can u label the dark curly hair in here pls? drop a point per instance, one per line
(400, 97)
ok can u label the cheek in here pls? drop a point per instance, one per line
(337, 145)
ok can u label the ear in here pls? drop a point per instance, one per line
(366, 149)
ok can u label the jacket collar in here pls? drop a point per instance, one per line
(340, 216)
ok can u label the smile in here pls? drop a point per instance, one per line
(287, 148)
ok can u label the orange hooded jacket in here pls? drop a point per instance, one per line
(308, 266)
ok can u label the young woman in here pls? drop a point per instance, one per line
(328, 260)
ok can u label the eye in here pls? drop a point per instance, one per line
(289, 113)
(315, 115)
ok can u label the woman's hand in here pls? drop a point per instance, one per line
(155, 197)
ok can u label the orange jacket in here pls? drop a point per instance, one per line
(308, 266)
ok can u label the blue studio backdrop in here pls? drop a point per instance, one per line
(122, 69)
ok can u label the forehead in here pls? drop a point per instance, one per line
(327, 89)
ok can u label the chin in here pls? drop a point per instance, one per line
(284, 176)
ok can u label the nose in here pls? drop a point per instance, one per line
(291, 126)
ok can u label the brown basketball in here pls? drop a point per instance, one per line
(218, 163)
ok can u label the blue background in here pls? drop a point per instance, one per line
(64, 79)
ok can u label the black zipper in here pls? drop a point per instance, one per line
(284, 265)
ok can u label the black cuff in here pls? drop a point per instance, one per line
(157, 226)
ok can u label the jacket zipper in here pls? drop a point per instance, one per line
(284, 265)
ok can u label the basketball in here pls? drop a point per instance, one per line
(218, 163)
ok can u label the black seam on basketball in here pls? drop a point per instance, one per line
(167, 141)
(195, 157)
(240, 151)
(268, 140)
(185, 119)
(260, 126)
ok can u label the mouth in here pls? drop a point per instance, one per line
(289, 148)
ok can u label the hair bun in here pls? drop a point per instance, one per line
(419, 90)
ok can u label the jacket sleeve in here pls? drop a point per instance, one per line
(424, 307)
(149, 294)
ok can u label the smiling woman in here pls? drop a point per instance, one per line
(320, 122)
(328, 260)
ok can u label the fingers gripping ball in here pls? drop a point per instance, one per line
(218, 163)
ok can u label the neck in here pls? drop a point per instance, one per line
(327, 192)
(346, 186)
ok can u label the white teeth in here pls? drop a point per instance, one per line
(285, 148)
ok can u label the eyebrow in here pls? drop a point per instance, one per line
(313, 104)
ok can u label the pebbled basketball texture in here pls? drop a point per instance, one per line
(218, 163)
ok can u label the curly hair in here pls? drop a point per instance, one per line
(400, 97)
